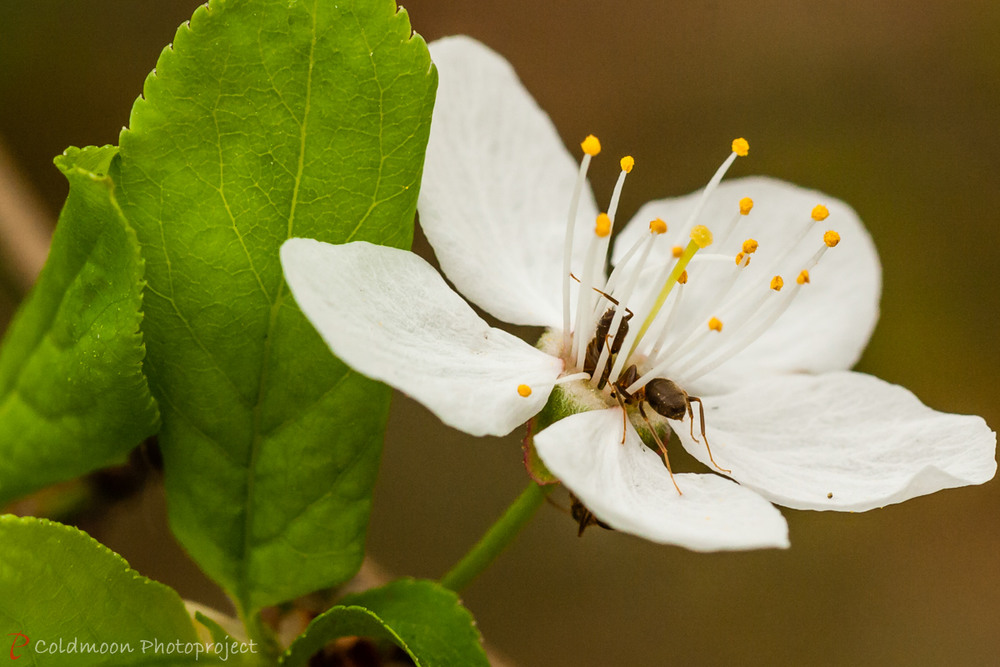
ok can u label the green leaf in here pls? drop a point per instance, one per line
(215, 631)
(267, 120)
(72, 394)
(68, 594)
(424, 619)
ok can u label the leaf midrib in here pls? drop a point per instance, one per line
(258, 434)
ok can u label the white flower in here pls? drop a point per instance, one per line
(783, 416)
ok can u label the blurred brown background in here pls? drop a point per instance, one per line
(889, 106)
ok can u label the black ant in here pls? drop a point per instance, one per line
(584, 517)
(664, 396)
(596, 345)
(667, 400)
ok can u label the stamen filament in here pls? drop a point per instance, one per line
(698, 332)
(616, 272)
(574, 205)
(593, 263)
(592, 270)
(713, 183)
(665, 328)
(617, 193)
(682, 262)
(620, 311)
(775, 264)
(760, 318)
(573, 377)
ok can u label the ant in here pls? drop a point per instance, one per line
(667, 400)
(596, 345)
(584, 517)
(664, 396)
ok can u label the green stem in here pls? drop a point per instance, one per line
(497, 538)
(267, 648)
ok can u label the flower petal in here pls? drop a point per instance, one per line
(831, 319)
(497, 187)
(797, 439)
(389, 315)
(628, 487)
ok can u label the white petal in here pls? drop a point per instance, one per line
(389, 315)
(497, 187)
(628, 487)
(795, 439)
(831, 319)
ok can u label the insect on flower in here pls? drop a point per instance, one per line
(749, 316)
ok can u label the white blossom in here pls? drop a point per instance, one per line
(753, 296)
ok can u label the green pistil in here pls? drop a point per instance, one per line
(668, 285)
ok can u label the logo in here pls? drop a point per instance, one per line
(18, 637)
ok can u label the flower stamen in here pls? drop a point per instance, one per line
(740, 148)
(701, 237)
(759, 316)
(591, 147)
(593, 267)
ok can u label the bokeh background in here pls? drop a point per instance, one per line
(889, 106)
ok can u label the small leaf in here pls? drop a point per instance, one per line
(424, 619)
(66, 595)
(264, 120)
(72, 394)
(215, 631)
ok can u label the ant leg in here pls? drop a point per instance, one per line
(663, 449)
(701, 413)
(621, 402)
(691, 416)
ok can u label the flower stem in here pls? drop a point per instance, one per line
(497, 538)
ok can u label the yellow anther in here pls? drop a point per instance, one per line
(777, 283)
(627, 163)
(750, 246)
(803, 277)
(591, 145)
(524, 390)
(702, 236)
(745, 205)
(820, 212)
(683, 278)
(739, 258)
(831, 238)
(678, 251)
(603, 226)
(657, 226)
(715, 324)
(741, 147)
